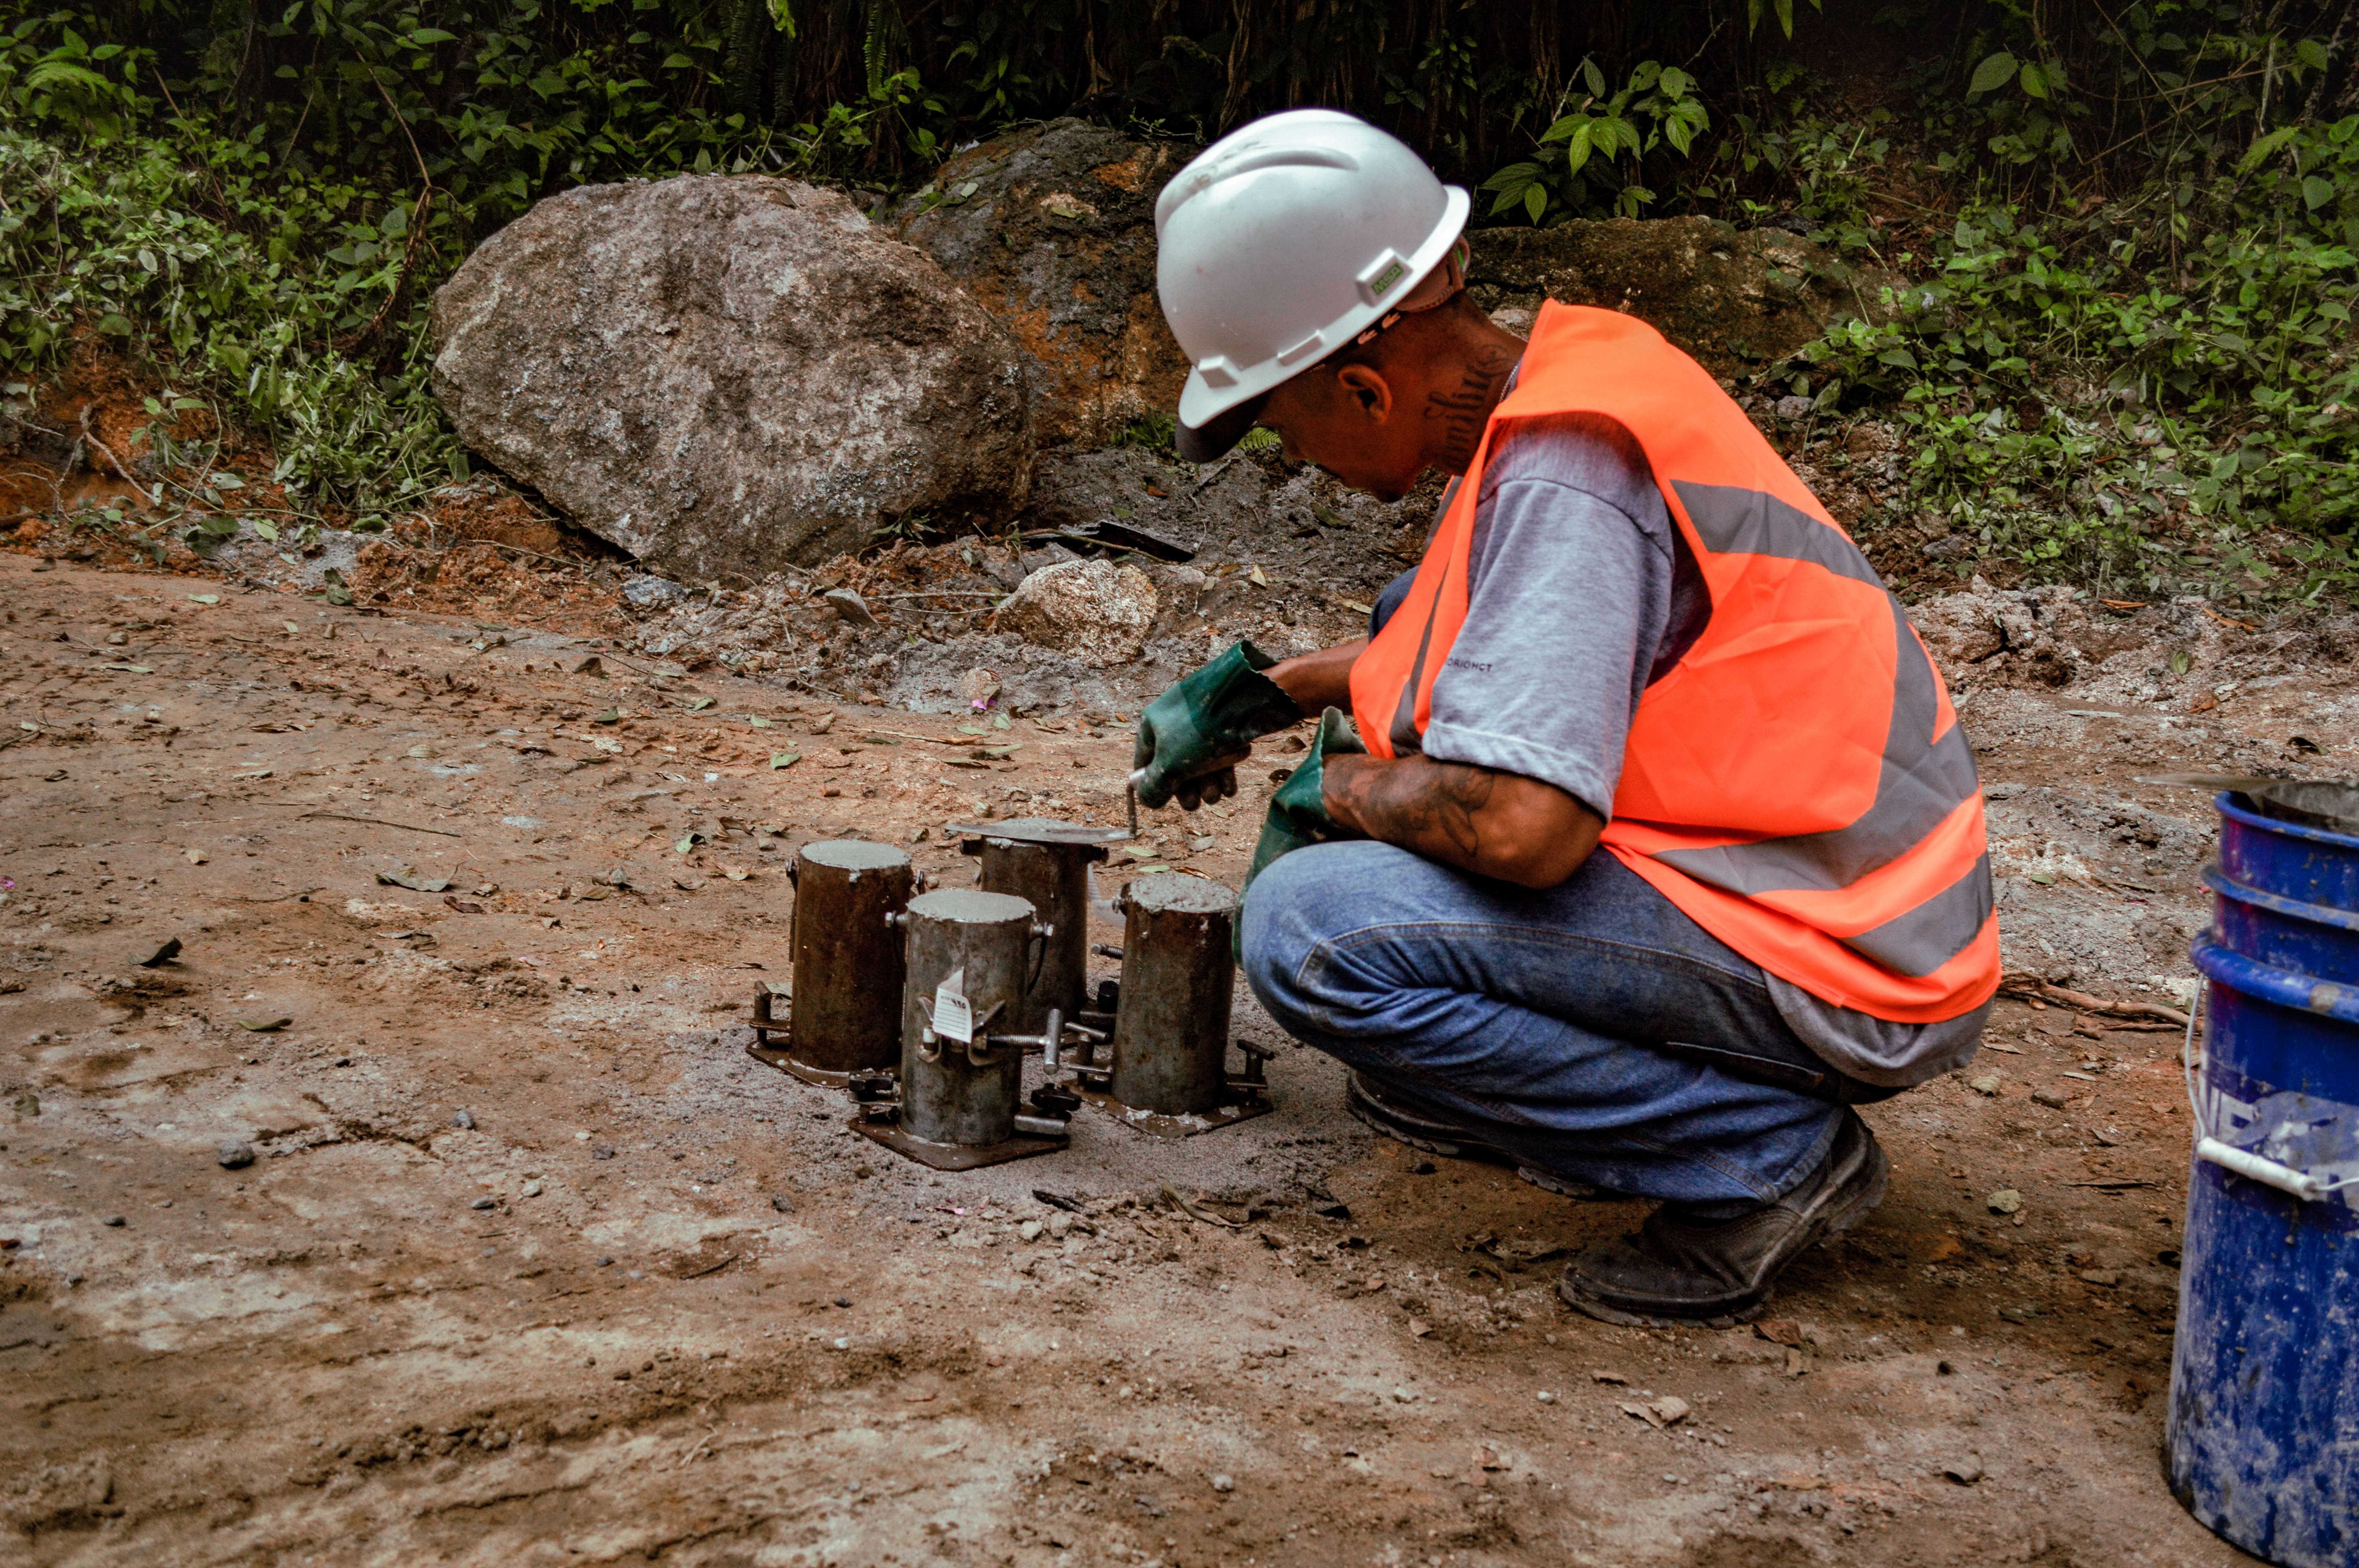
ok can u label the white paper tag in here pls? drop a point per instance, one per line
(953, 1015)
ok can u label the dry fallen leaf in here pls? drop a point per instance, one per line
(1669, 1411)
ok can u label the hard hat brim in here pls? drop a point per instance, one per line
(1214, 439)
(1212, 424)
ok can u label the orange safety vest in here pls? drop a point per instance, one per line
(1797, 783)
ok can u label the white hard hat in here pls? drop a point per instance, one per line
(1279, 243)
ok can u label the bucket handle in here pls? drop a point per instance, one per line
(2243, 1161)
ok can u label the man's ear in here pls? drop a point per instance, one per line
(1368, 392)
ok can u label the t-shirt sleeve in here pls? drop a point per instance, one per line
(1570, 576)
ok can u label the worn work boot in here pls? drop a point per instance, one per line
(1385, 1112)
(1681, 1269)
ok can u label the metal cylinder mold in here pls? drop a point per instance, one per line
(956, 1091)
(1046, 863)
(845, 1016)
(1170, 1038)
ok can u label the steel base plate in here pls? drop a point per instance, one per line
(1237, 1107)
(953, 1156)
(784, 1061)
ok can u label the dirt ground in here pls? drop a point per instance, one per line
(532, 1263)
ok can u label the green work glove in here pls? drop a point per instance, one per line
(1191, 738)
(1297, 812)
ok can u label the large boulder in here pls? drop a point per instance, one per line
(1734, 298)
(729, 376)
(1053, 229)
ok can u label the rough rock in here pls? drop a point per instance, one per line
(69, 1493)
(649, 593)
(2025, 636)
(1053, 230)
(729, 376)
(1095, 610)
(1732, 298)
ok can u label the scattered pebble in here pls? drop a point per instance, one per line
(233, 1155)
(464, 1121)
(782, 1203)
(1029, 1230)
(1985, 1085)
(532, 1189)
(2054, 1100)
(113, 1219)
(1223, 1483)
(1544, 1397)
(844, 1301)
(1966, 1470)
(484, 1203)
(2006, 1200)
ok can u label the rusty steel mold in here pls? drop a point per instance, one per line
(1049, 863)
(971, 955)
(844, 1011)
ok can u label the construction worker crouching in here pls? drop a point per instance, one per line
(1651, 844)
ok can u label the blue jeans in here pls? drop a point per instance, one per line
(1591, 1029)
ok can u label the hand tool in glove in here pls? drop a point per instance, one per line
(1191, 738)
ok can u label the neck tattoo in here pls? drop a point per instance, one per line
(1463, 410)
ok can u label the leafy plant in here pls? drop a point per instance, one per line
(1657, 107)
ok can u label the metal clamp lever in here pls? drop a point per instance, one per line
(927, 1037)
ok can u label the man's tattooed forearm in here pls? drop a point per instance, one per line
(1427, 803)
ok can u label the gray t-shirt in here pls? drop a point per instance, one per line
(1582, 593)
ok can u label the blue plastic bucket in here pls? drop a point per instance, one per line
(2264, 1426)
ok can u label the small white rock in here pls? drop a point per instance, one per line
(1546, 1398)
(1029, 1230)
(532, 1189)
(1223, 1483)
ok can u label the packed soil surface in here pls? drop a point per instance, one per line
(533, 1263)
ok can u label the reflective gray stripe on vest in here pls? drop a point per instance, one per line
(1920, 780)
(1919, 941)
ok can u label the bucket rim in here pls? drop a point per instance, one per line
(2234, 813)
(2328, 915)
(2285, 988)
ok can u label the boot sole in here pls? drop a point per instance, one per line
(1838, 1219)
(1373, 1116)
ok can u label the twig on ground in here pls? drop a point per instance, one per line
(2032, 985)
(381, 822)
(104, 450)
(1180, 1201)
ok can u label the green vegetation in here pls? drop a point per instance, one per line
(2124, 353)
